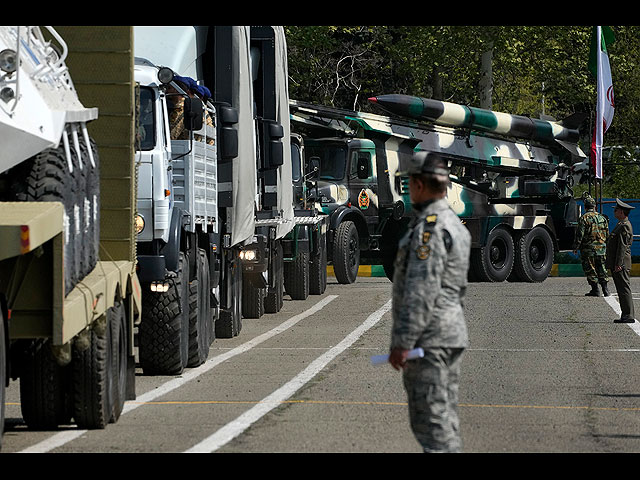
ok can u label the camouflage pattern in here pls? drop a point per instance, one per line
(430, 281)
(496, 179)
(463, 116)
(594, 268)
(591, 234)
(435, 378)
(429, 286)
(484, 167)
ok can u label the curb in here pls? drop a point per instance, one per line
(363, 271)
(558, 270)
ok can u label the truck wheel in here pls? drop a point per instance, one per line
(346, 253)
(318, 269)
(93, 377)
(494, 261)
(46, 178)
(296, 277)
(274, 299)
(164, 330)
(44, 388)
(117, 321)
(252, 300)
(534, 255)
(199, 313)
(229, 323)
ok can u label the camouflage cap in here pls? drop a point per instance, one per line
(425, 163)
(588, 200)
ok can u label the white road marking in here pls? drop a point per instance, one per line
(613, 303)
(240, 424)
(62, 438)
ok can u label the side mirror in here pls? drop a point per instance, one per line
(229, 135)
(193, 114)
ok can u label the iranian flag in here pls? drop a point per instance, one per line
(599, 66)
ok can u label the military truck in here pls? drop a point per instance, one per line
(305, 247)
(510, 183)
(214, 199)
(69, 294)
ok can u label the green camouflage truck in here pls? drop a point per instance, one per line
(511, 181)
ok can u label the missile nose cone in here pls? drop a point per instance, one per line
(373, 99)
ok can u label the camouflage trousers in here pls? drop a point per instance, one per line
(432, 392)
(594, 268)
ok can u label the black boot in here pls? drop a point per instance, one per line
(605, 290)
(594, 290)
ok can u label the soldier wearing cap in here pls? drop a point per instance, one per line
(591, 240)
(619, 260)
(429, 285)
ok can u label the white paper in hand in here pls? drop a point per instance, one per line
(382, 359)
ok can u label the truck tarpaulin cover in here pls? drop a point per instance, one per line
(244, 176)
(285, 197)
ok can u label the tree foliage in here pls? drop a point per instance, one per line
(535, 69)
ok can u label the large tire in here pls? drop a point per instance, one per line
(346, 253)
(117, 321)
(199, 313)
(252, 300)
(46, 178)
(296, 277)
(164, 330)
(318, 269)
(534, 255)
(44, 388)
(275, 296)
(494, 261)
(229, 323)
(93, 378)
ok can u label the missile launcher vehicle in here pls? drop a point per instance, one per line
(511, 180)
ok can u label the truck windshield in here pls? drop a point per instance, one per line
(333, 161)
(145, 121)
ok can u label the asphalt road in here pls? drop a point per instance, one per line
(547, 371)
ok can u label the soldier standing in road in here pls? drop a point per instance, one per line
(619, 260)
(591, 240)
(429, 286)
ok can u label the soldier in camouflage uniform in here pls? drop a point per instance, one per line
(591, 240)
(429, 285)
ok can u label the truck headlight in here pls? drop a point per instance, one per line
(139, 224)
(248, 255)
(160, 287)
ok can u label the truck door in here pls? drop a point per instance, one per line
(363, 185)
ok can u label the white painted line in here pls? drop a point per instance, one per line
(613, 303)
(244, 421)
(62, 438)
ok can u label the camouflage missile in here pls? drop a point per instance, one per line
(462, 116)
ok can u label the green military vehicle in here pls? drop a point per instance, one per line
(511, 181)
